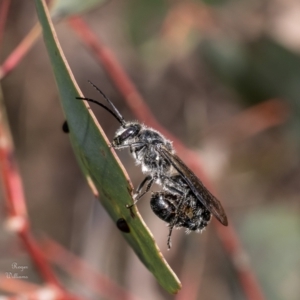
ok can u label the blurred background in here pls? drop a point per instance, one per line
(221, 75)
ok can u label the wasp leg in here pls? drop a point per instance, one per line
(140, 187)
(175, 220)
(138, 195)
(169, 243)
(136, 144)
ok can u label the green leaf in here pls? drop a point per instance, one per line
(98, 161)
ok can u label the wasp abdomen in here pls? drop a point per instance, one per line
(161, 204)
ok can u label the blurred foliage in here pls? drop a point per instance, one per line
(213, 2)
(272, 238)
(207, 64)
(144, 18)
(257, 71)
(65, 8)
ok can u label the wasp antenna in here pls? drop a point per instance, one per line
(120, 117)
(102, 105)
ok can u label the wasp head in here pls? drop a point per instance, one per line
(127, 134)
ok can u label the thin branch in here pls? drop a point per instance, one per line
(17, 214)
(135, 101)
(79, 269)
(241, 262)
(192, 274)
(27, 290)
(14, 285)
(20, 51)
(4, 7)
(252, 121)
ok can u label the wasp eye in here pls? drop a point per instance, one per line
(130, 132)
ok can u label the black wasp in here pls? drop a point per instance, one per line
(185, 198)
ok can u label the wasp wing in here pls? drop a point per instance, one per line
(197, 187)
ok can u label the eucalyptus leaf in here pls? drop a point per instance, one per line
(99, 163)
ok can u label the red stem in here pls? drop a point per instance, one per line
(77, 268)
(4, 7)
(135, 101)
(14, 285)
(240, 260)
(20, 51)
(15, 199)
